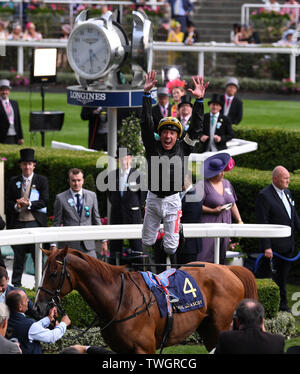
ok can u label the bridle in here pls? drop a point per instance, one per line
(56, 301)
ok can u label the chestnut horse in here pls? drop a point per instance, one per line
(129, 317)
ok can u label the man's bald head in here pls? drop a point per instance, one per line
(281, 177)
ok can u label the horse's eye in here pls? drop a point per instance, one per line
(53, 275)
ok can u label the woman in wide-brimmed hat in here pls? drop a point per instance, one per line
(219, 202)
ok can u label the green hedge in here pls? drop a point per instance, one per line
(275, 147)
(268, 295)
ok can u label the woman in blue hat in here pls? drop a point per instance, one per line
(219, 203)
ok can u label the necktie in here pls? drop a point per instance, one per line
(8, 111)
(213, 119)
(78, 203)
(285, 203)
(25, 184)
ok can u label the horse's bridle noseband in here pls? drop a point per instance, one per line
(56, 301)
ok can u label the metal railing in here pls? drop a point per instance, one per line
(245, 10)
(39, 235)
(199, 48)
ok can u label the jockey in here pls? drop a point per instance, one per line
(166, 159)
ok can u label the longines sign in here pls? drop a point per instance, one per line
(118, 98)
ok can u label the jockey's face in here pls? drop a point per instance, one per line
(168, 139)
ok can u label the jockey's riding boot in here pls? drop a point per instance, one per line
(181, 240)
(159, 255)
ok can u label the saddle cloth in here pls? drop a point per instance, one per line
(174, 290)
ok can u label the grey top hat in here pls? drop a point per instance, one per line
(233, 81)
(5, 83)
(162, 91)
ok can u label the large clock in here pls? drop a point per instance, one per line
(96, 46)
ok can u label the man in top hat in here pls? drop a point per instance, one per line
(26, 207)
(232, 106)
(10, 120)
(166, 178)
(185, 109)
(217, 128)
(162, 108)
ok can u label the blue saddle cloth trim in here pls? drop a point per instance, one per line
(174, 290)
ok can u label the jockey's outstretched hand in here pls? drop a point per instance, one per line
(150, 81)
(199, 87)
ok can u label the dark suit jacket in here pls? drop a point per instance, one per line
(250, 340)
(225, 131)
(126, 209)
(235, 113)
(269, 209)
(14, 193)
(191, 213)
(4, 123)
(186, 4)
(157, 116)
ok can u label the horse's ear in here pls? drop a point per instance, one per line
(47, 252)
(64, 252)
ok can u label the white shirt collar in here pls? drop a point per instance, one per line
(75, 193)
(277, 190)
(28, 178)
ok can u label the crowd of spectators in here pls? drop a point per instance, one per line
(15, 32)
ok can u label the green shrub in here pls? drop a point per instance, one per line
(268, 295)
(283, 323)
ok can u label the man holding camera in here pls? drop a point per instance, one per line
(249, 335)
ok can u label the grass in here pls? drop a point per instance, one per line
(257, 113)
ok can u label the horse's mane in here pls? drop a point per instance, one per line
(106, 270)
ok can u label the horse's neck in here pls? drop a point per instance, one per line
(100, 290)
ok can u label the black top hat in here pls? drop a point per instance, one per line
(185, 99)
(27, 155)
(216, 99)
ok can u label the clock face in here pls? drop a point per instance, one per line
(88, 51)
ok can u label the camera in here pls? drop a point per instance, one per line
(14, 340)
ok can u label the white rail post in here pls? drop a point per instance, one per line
(38, 264)
(216, 250)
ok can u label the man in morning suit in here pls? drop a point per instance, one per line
(26, 207)
(78, 207)
(274, 205)
(217, 128)
(231, 104)
(249, 335)
(127, 200)
(162, 108)
(6, 346)
(180, 10)
(10, 120)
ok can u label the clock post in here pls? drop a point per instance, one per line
(96, 50)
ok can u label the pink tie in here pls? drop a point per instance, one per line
(9, 111)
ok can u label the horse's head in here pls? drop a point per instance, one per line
(56, 282)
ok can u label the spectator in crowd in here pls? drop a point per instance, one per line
(272, 6)
(26, 207)
(6, 346)
(5, 288)
(232, 106)
(98, 126)
(246, 35)
(163, 107)
(180, 10)
(2, 225)
(30, 333)
(3, 30)
(16, 33)
(177, 93)
(78, 207)
(127, 200)
(163, 200)
(191, 213)
(86, 349)
(185, 109)
(249, 335)
(219, 203)
(217, 128)
(289, 38)
(175, 35)
(294, 13)
(62, 59)
(30, 32)
(11, 127)
(191, 35)
(275, 205)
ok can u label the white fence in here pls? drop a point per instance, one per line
(41, 235)
(199, 48)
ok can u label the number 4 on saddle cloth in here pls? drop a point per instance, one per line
(174, 290)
